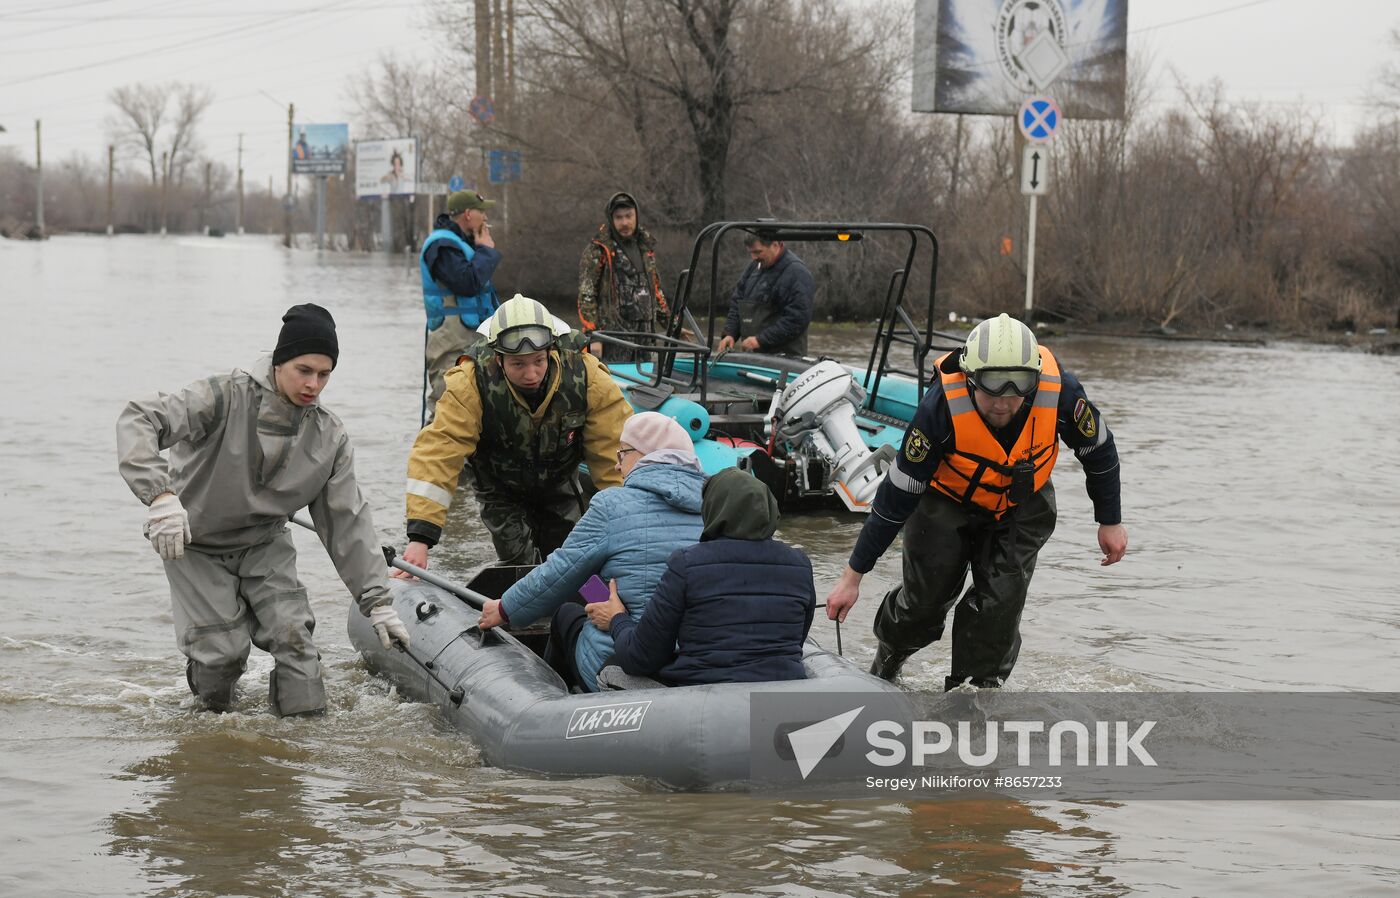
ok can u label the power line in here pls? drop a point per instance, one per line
(69, 48)
(232, 14)
(27, 34)
(49, 7)
(1204, 15)
(242, 77)
(178, 46)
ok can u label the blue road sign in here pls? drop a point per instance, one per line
(1038, 118)
(455, 183)
(504, 166)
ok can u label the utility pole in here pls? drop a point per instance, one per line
(39, 170)
(164, 186)
(208, 194)
(287, 200)
(238, 222)
(111, 170)
(957, 164)
(510, 56)
(498, 58)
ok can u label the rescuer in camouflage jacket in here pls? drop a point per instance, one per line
(523, 411)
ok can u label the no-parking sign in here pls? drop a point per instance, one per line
(1038, 118)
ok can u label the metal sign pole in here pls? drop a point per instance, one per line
(39, 176)
(386, 234)
(1030, 257)
(321, 212)
(1038, 119)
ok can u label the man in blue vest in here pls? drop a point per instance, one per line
(455, 266)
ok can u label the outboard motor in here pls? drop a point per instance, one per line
(816, 416)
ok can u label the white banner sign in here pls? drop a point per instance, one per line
(386, 167)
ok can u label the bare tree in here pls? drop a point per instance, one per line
(1385, 94)
(397, 99)
(138, 119)
(709, 59)
(191, 101)
(145, 121)
(1256, 157)
(1370, 187)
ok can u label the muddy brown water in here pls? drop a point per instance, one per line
(1263, 509)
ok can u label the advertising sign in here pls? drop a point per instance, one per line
(320, 149)
(987, 56)
(386, 167)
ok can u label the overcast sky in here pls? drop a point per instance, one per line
(60, 58)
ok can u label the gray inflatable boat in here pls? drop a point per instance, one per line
(496, 689)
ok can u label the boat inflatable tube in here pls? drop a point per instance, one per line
(688, 414)
(518, 712)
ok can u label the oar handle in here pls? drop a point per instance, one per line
(471, 597)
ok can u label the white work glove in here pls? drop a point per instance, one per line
(387, 624)
(168, 527)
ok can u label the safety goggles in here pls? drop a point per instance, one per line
(526, 338)
(1000, 381)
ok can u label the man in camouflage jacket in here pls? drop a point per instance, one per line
(619, 288)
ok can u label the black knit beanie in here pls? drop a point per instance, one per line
(306, 328)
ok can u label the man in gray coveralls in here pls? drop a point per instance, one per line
(247, 450)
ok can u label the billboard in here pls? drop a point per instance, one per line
(320, 149)
(987, 56)
(386, 167)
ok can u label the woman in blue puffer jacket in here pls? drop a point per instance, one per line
(733, 608)
(627, 534)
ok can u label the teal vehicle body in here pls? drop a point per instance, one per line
(730, 403)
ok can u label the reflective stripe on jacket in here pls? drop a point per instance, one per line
(977, 470)
(440, 302)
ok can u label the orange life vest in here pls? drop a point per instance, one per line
(977, 470)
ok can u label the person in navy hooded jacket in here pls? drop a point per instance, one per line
(733, 608)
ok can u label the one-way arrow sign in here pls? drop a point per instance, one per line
(1035, 169)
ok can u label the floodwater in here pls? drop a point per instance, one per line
(1265, 541)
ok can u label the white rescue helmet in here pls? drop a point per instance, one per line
(1001, 355)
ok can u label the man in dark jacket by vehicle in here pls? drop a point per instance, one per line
(455, 267)
(733, 608)
(619, 288)
(771, 307)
